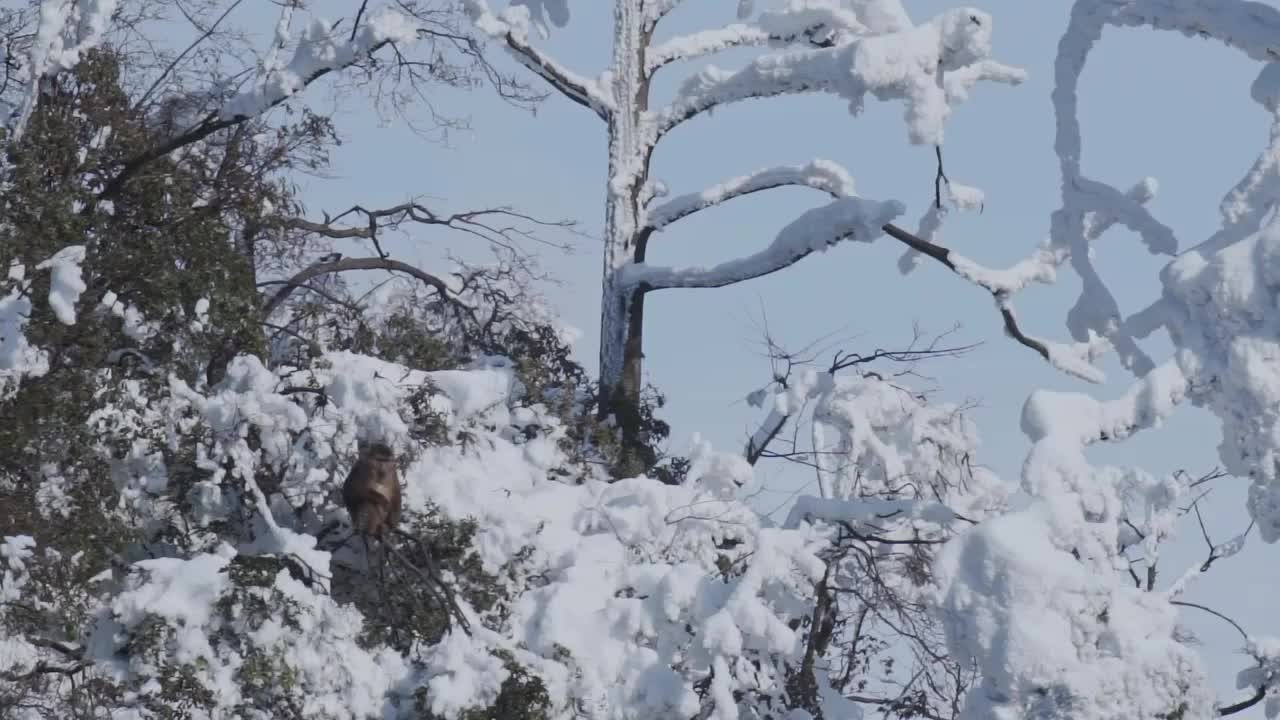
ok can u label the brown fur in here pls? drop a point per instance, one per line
(372, 491)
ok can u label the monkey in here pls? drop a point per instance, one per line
(372, 492)
(372, 496)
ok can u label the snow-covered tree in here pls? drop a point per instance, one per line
(1045, 600)
(897, 476)
(171, 544)
(849, 49)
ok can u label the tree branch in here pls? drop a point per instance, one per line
(473, 222)
(349, 264)
(980, 276)
(204, 35)
(43, 668)
(1213, 612)
(1243, 704)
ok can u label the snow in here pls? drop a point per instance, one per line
(1036, 597)
(17, 356)
(66, 283)
(1050, 636)
(596, 540)
(13, 551)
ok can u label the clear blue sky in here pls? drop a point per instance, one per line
(1152, 103)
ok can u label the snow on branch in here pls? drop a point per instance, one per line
(1212, 294)
(1262, 677)
(1251, 27)
(810, 508)
(66, 30)
(1127, 209)
(1067, 551)
(822, 175)
(817, 229)
(512, 29)
(706, 42)
(1259, 190)
(320, 50)
(18, 358)
(816, 26)
(899, 65)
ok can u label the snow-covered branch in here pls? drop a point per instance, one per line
(814, 26)
(512, 29)
(815, 230)
(899, 65)
(820, 174)
(809, 508)
(1072, 359)
(703, 43)
(320, 51)
(1042, 264)
(66, 30)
